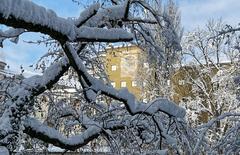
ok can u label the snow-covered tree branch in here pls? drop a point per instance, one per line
(95, 24)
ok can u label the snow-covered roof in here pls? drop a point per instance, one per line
(119, 45)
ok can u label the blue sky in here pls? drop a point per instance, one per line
(198, 12)
(26, 54)
(194, 13)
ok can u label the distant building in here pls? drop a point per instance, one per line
(183, 86)
(122, 67)
(7, 74)
(2, 66)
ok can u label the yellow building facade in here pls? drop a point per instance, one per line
(127, 67)
(122, 66)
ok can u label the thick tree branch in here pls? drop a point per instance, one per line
(31, 17)
(36, 129)
(132, 105)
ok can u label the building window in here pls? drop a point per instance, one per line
(113, 84)
(168, 82)
(145, 100)
(145, 65)
(134, 83)
(123, 84)
(181, 82)
(114, 67)
(144, 84)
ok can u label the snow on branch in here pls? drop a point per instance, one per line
(26, 14)
(10, 33)
(87, 14)
(22, 94)
(140, 20)
(36, 129)
(104, 35)
(228, 29)
(102, 16)
(208, 125)
(94, 25)
(132, 105)
(150, 9)
(39, 83)
(35, 16)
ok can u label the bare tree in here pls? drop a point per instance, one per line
(210, 68)
(162, 52)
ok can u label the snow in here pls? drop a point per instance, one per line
(124, 95)
(5, 125)
(157, 152)
(2, 55)
(135, 107)
(48, 75)
(32, 13)
(91, 95)
(62, 140)
(87, 13)
(24, 91)
(11, 33)
(163, 105)
(4, 150)
(107, 14)
(21, 94)
(53, 148)
(102, 34)
(115, 12)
